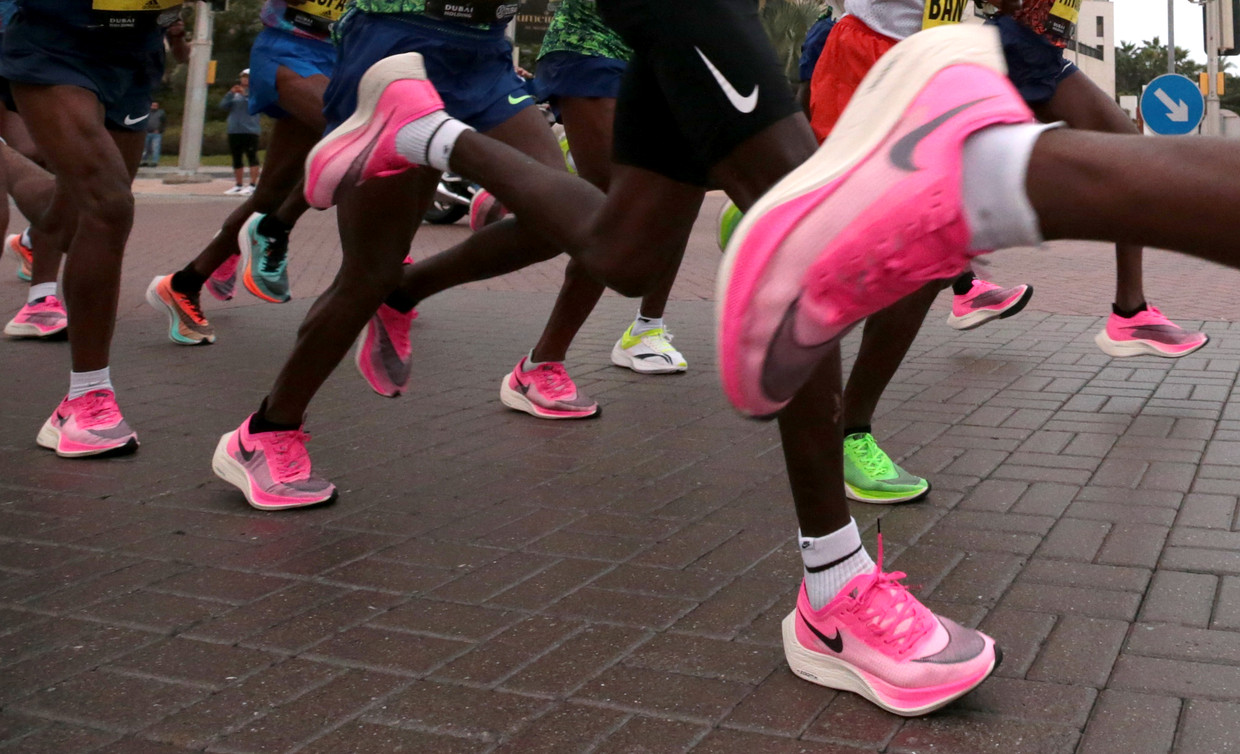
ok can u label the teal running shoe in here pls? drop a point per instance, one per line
(870, 475)
(264, 262)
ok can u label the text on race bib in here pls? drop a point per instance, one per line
(941, 12)
(328, 10)
(1063, 17)
(134, 6)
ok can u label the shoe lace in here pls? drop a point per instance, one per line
(553, 380)
(190, 303)
(276, 257)
(99, 407)
(289, 459)
(889, 610)
(659, 340)
(871, 458)
(396, 323)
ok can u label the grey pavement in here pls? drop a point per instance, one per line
(489, 582)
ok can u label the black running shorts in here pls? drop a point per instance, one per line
(703, 79)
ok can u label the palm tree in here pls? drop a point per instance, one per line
(786, 22)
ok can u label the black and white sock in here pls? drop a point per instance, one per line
(832, 561)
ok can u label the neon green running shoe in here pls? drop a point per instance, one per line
(872, 477)
(729, 217)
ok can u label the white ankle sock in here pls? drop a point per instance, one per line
(996, 160)
(39, 291)
(646, 324)
(832, 561)
(81, 383)
(26, 239)
(429, 140)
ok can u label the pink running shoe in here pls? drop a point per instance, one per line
(546, 392)
(383, 351)
(875, 214)
(485, 209)
(90, 425)
(877, 640)
(25, 256)
(223, 282)
(44, 318)
(987, 301)
(393, 93)
(272, 469)
(1148, 333)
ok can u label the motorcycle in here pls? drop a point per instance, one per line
(452, 198)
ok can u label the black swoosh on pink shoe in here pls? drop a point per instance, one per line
(247, 455)
(834, 643)
(789, 364)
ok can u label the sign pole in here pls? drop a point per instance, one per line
(190, 157)
(1212, 125)
(1170, 36)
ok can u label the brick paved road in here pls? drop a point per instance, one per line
(491, 583)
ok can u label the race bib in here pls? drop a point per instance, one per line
(315, 16)
(131, 14)
(1063, 17)
(473, 11)
(942, 12)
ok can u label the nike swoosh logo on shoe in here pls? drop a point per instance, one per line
(902, 151)
(745, 103)
(62, 419)
(247, 454)
(834, 643)
(789, 364)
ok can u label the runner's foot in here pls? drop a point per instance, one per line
(89, 425)
(987, 301)
(24, 254)
(43, 318)
(223, 281)
(546, 391)
(875, 214)
(264, 262)
(872, 477)
(650, 352)
(272, 469)
(394, 93)
(877, 640)
(187, 325)
(1148, 333)
(384, 354)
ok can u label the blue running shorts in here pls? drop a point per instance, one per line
(470, 67)
(274, 48)
(1035, 66)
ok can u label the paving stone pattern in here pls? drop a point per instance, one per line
(492, 583)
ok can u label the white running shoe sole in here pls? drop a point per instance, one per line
(15, 329)
(1124, 348)
(623, 358)
(837, 674)
(49, 437)
(852, 493)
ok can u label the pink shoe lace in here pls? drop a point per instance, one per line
(96, 408)
(553, 380)
(289, 459)
(891, 613)
(397, 325)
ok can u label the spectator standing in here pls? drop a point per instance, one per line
(155, 124)
(243, 131)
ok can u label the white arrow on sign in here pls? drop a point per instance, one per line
(1177, 110)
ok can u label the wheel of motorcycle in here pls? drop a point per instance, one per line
(445, 213)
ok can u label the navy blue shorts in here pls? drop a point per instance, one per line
(1035, 66)
(274, 48)
(470, 68)
(113, 65)
(571, 74)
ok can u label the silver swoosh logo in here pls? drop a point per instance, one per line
(902, 150)
(744, 104)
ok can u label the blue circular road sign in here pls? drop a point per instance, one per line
(1172, 105)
